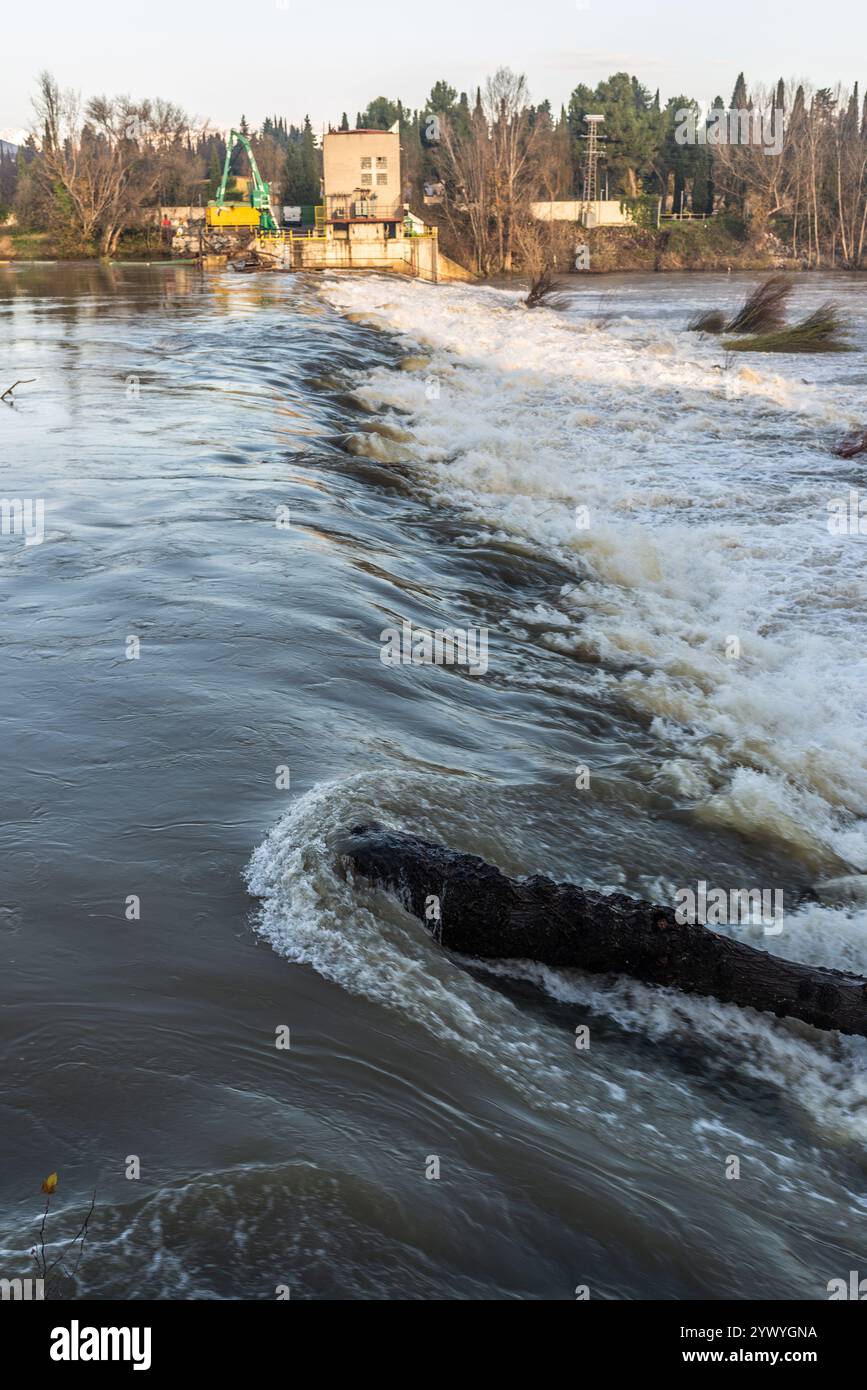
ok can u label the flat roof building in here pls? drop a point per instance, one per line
(362, 176)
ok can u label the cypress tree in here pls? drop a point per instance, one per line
(739, 100)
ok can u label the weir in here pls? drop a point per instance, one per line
(367, 246)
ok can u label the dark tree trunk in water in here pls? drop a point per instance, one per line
(487, 915)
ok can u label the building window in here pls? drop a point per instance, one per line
(382, 179)
(367, 180)
(381, 161)
(366, 162)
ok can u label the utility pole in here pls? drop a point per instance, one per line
(591, 158)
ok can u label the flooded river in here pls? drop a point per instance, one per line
(244, 481)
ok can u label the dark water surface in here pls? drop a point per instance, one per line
(172, 418)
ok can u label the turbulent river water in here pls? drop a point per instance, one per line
(254, 477)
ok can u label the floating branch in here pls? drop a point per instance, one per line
(25, 381)
(488, 916)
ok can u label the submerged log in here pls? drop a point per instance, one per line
(486, 915)
(847, 448)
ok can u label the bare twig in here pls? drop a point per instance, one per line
(25, 381)
(77, 1242)
(42, 1237)
(81, 1235)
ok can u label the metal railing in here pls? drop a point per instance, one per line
(361, 207)
(291, 234)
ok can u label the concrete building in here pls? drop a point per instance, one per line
(361, 170)
(363, 223)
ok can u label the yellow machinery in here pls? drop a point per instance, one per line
(256, 212)
(232, 215)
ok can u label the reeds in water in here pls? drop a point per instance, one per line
(765, 309)
(821, 331)
(707, 321)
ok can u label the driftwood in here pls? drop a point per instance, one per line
(850, 446)
(488, 916)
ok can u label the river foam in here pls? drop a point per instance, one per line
(703, 528)
(706, 487)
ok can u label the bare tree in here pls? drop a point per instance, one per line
(490, 169)
(469, 174)
(506, 105)
(850, 181)
(756, 169)
(108, 157)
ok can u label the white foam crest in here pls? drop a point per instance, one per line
(313, 915)
(823, 1074)
(702, 530)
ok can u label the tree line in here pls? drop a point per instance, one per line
(90, 167)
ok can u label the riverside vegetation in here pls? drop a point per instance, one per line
(91, 175)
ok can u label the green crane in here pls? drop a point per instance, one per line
(255, 214)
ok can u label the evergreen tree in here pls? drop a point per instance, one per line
(381, 114)
(740, 101)
(310, 163)
(702, 183)
(631, 126)
(215, 172)
(301, 182)
(442, 98)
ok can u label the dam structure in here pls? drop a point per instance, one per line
(362, 223)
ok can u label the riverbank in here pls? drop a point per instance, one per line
(677, 246)
(716, 246)
(712, 247)
(23, 244)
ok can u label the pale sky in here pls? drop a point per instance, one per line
(221, 59)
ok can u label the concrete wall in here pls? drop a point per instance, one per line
(179, 214)
(602, 213)
(416, 256)
(362, 159)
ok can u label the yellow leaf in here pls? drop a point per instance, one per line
(49, 1184)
